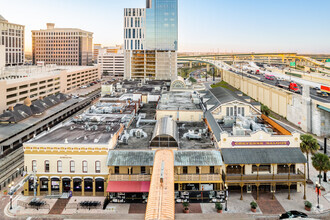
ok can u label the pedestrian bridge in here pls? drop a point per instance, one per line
(161, 203)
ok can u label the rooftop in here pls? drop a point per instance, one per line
(262, 155)
(181, 158)
(10, 129)
(179, 101)
(194, 135)
(73, 133)
(130, 87)
(17, 74)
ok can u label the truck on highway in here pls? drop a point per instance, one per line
(325, 89)
(291, 86)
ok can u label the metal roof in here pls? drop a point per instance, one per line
(130, 158)
(216, 130)
(197, 158)
(165, 126)
(262, 155)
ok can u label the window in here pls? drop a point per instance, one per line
(97, 167)
(59, 166)
(262, 168)
(84, 166)
(116, 170)
(143, 170)
(34, 165)
(211, 169)
(185, 170)
(197, 170)
(46, 166)
(72, 166)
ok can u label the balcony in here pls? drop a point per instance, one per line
(127, 177)
(253, 178)
(197, 177)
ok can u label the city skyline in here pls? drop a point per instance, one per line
(221, 26)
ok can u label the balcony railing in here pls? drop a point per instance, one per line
(284, 177)
(197, 177)
(131, 177)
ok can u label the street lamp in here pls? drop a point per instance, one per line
(226, 198)
(318, 192)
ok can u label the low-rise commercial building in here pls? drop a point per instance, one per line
(258, 153)
(112, 64)
(73, 156)
(182, 106)
(98, 49)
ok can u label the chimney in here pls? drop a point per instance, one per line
(50, 26)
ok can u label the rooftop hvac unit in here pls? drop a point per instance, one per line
(228, 121)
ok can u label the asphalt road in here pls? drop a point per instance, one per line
(261, 78)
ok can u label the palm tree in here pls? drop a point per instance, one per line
(321, 163)
(308, 145)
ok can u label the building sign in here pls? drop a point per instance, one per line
(257, 143)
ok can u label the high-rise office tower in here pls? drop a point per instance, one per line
(12, 37)
(62, 46)
(151, 40)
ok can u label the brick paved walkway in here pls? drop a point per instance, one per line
(193, 208)
(268, 205)
(137, 208)
(58, 207)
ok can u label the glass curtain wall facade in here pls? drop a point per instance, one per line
(162, 25)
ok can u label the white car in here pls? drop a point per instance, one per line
(83, 87)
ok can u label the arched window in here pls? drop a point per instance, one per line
(72, 166)
(84, 166)
(59, 166)
(97, 166)
(46, 166)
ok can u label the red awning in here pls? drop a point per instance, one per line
(128, 186)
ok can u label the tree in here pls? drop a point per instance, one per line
(321, 163)
(308, 145)
(265, 110)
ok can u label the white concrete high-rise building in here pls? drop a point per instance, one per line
(111, 63)
(12, 37)
(150, 40)
(62, 46)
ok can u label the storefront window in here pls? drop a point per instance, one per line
(43, 184)
(99, 185)
(88, 185)
(77, 185)
(55, 184)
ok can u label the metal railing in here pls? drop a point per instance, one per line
(197, 177)
(129, 177)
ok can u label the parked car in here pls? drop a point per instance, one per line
(293, 214)
(83, 87)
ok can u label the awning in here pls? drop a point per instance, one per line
(128, 186)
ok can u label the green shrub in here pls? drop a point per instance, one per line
(218, 206)
(308, 204)
(253, 205)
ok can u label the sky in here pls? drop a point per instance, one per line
(224, 26)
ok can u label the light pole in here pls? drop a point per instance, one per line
(226, 198)
(318, 192)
